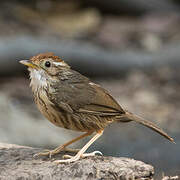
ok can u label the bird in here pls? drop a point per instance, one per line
(72, 101)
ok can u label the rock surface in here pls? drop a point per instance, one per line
(17, 162)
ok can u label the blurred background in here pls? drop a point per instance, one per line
(130, 47)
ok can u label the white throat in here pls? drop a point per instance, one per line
(38, 79)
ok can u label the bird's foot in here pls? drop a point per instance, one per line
(69, 159)
(50, 153)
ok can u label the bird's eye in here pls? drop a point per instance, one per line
(47, 64)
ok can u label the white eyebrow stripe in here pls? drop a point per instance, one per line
(59, 63)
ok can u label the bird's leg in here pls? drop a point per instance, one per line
(50, 153)
(81, 153)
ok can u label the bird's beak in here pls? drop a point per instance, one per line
(28, 63)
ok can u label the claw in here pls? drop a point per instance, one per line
(81, 153)
(44, 153)
(98, 152)
(69, 159)
(91, 154)
(50, 153)
(66, 156)
(72, 159)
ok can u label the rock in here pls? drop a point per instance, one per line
(17, 162)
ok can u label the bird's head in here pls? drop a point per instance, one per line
(44, 69)
(45, 62)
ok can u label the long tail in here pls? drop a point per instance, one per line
(131, 117)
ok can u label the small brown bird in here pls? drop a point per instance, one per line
(70, 100)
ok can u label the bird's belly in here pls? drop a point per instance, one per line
(46, 108)
(74, 121)
(55, 117)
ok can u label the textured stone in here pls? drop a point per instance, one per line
(17, 162)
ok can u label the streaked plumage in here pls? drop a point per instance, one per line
(70, 100)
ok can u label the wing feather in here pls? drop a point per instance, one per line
(76, 93)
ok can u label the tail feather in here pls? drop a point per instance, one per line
(131, 117)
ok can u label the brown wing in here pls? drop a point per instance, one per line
(102, 103)
(77, 93)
